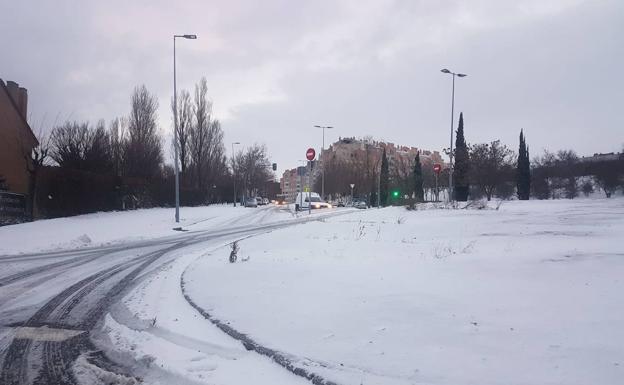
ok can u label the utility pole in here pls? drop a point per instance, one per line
(175, 130)
(234, 171)
(446, 71)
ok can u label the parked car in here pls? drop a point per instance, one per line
(260, 201)
(265, 201)
(360, 205)
(251, 202)
(305, 199)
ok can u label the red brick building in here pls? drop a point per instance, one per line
(16, 137)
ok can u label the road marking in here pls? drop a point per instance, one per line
(46, 334)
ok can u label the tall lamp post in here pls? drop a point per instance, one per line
(446, 71)
(175, 130)
(234, 171)
(323, 161)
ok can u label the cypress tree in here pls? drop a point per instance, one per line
(461, 183)
(523, 172)
(384, 179)
(418, 179)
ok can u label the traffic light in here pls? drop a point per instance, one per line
(395, 194)
(274, 166)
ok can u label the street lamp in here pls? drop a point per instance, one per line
(175, 130)
(323, 161)
(446, 71)
(234, 171)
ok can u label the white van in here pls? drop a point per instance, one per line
(305, 198)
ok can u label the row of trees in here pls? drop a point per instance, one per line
(564, 175)
(489, 169)
(480, 170)
(200, 139)
(126, 159)
(128, 147)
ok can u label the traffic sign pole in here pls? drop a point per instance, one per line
(310, 154)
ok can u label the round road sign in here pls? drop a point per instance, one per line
(437, 168)
(310, 154)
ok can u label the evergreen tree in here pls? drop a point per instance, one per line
(461, 184)
(384, 179)
(523, 174)
(418, 180)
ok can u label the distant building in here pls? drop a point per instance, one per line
(349, 150)
(295, 180)
(16, 137)
(611, 156)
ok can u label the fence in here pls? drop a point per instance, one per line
(12, 208)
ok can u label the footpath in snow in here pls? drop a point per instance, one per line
(527, 294)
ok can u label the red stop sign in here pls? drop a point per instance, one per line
(437, 168)
(310, 154)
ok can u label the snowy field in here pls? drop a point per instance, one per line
(527, 294)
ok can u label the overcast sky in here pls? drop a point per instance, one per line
(275, 68)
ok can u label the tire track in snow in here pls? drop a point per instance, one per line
(249, 344)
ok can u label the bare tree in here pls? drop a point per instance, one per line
(606, 175)
(542, 176)
(143, 149)
(199, 134)
(97, 155)
(567, 161)
(429, 179)
(117, 134)
(78, 146)
(215, 167)
(490, 163)
(184, 113)
(206, 148)
(35, 160)
(68, 144)
(252, 168)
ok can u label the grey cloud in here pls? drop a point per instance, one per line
(275, 68)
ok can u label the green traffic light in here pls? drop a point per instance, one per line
(395, 193)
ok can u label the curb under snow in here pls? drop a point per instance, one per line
(250, 344)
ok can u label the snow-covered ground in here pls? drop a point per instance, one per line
(527, 294)
(173, 344)
(124, 226)
(530, 293)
